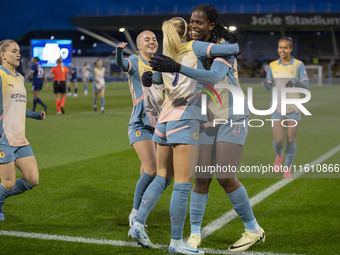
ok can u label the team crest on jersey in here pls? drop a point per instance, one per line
(138, 133)
(2, 154)
(292, 72)
(195, 135)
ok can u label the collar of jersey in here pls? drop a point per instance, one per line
(7, 72)
(290, 63)
(144, 61)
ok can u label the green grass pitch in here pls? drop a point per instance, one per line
(88, 172)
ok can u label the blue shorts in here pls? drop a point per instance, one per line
(177, 132)
(293, 115)
(139, 132)
(11, 153)
(235, 133)
(95, 90)
(73, 80)
(37, 85)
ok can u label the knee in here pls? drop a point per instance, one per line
(202, 185)
(33, 181)
(226, 182)
(8, 185)
(291, 139)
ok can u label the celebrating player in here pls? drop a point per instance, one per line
(286, 72)
(147, 103)
(38, 78)
(205, 25)
(178, 127)
(15, 150)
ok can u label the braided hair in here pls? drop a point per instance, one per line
(219, 32)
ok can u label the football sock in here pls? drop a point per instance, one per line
(102, 102)
(197, 206)
(239, 199)
(278, 147)
(142, 184)
(62, 101)
(178, 209)
(40, 102)
(57, 102)
(150, 197)
(290, 154)
(34, 104)
(20, 187)
(69, 89)
(85, 87)
(94, 102)
(4, 193)
(75, 90)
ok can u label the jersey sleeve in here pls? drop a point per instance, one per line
(268, 81)
(124, 63)
(208, 50)
(218, 70)
(303, 81)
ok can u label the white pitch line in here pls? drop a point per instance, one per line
(230, 215)
(115, 242)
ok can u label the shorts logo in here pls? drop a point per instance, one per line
(143, 115)
(195, 135)
(2, 154)
(138, 133)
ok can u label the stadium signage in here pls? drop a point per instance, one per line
(238, 100)
(290, 20)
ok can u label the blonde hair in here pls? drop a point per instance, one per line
(174, 32)
(4, 45)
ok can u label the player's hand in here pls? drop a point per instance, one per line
(147, 79)
(47, 85)
(43, 115)
(163, 63)
(121, 45)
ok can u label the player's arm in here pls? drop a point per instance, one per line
(217, 72)
(30, 75)
(303, 81)
(35, 115)
(208, 50)
(46, 81)
(123, 63)
(268, 82)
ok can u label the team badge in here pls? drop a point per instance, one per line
(195, 135)
(138, 133)
(292, 72)
(2, 154)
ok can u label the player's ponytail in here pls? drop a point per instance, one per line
(174, 32)
(3, 46)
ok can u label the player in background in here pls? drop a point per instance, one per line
(38, 78)
(287, 71)
(205, 25)
(59, 76)
(74, 80)
(15, 150)
(177, 133)
(86, 73)
(146, 108)
(99, 85)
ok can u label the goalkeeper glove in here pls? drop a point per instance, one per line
(163, 63)
(147, 79)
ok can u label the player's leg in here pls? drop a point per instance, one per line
(185, 160)
(102, 100)
(57, 102)
(85, 86)
(75, 84)
(95, 95)
(199, 194)
(7, 176)
(146, 151)
(153, 193)
(69, 89)
(35, 101)
(290, 147)
(38, 88)
(278, 134)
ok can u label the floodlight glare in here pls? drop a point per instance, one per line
(122, 29)
(232, 28)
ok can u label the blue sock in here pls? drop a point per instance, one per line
(4, 193)
(85, 87)
(178, 209)
(142, 184)
(94, 102)
(20, 187)
(40, 102)
(150, 197)
(197, 206)
(290, 154)
(278, 148)
(102, 102)
(34, 104)
(239, 199)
